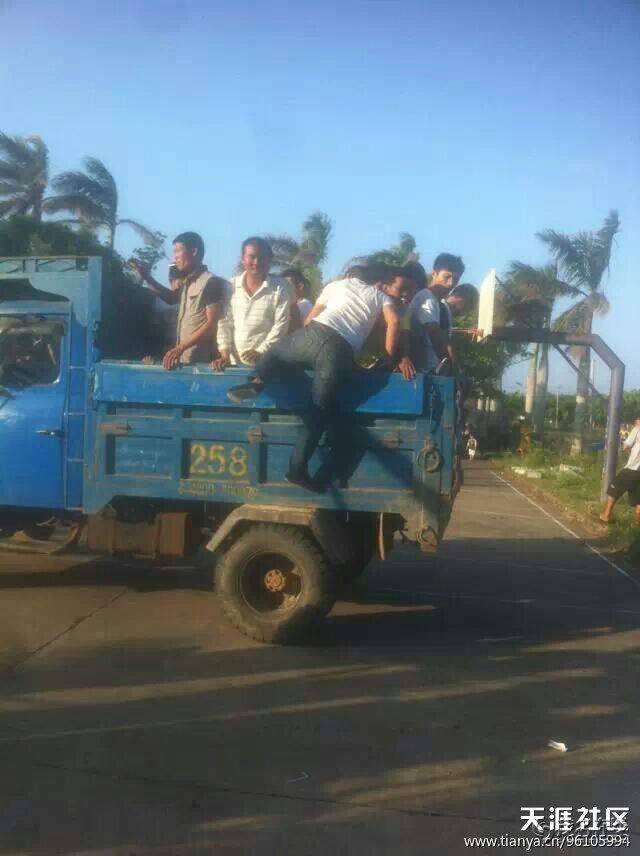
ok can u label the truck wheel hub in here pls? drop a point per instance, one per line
(275, 580)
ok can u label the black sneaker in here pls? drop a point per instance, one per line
(245, 392)
(302, 479)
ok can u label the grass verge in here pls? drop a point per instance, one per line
(574, 483)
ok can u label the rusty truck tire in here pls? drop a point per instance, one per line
(274, 583)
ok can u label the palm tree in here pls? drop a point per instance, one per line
(92, 198)
(309, 253)
(584, 259)
(529, 297)
(24, 174)
(404, 251)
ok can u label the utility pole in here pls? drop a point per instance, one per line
(557, 404)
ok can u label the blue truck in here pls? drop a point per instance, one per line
(131, 459)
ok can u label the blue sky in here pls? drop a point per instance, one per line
(471, 125)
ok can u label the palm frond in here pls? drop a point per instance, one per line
(609, 229)
(101, 175)
(11, 171)
(24, 173)
(10, 187)
(316, 232)
(598, 303)
(575, 319)
(150, 237)
(585, 256)
(407, 245)
(7, 207)
(285, 250)
(79, 205)
(76, 183)
(16, 149)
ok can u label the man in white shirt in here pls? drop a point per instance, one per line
(628, 479)
(258, 309)
(335, 329)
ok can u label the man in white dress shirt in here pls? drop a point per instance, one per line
(257, 312)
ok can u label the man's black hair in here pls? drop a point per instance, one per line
(355, 272)
(296, 275)
(192, 241)
(469, 293)
(380, 272)
(259, 244)
(416, 273)
(447, 261)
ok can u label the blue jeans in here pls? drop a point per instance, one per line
(330, 356)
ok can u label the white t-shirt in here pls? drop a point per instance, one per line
(425, 309)
(352, 309)
(633, 442)
(304, 308)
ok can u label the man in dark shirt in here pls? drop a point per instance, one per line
(200, 298)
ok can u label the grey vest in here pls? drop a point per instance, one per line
(191, 315)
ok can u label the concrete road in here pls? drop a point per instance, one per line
(134, 720)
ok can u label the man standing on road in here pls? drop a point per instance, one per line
(199, 296)
(258, 309)
(628, 479)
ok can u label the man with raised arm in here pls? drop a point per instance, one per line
(258, 309)
(200, 299)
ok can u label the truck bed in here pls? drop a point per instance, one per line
(175, 435)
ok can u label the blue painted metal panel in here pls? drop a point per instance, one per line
(32, 473)
(74, 286)
(142, 456)
(370, 392)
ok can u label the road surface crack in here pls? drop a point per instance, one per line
(13, 667)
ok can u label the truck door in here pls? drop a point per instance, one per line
(33, 358)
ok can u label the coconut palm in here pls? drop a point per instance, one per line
(24, 174)
(92, 198)
(308, 253)
(583, 259)
(529, 297)
(404, 251)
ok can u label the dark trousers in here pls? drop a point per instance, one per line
(626, 481)
(314, 347)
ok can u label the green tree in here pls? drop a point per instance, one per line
(151, 254)
(24, 175)
(92, 198)
(583, 259)
(631, 405)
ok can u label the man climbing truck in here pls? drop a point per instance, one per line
(131, 459)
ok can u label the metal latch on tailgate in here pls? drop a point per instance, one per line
(114, 428)
(391, 439)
